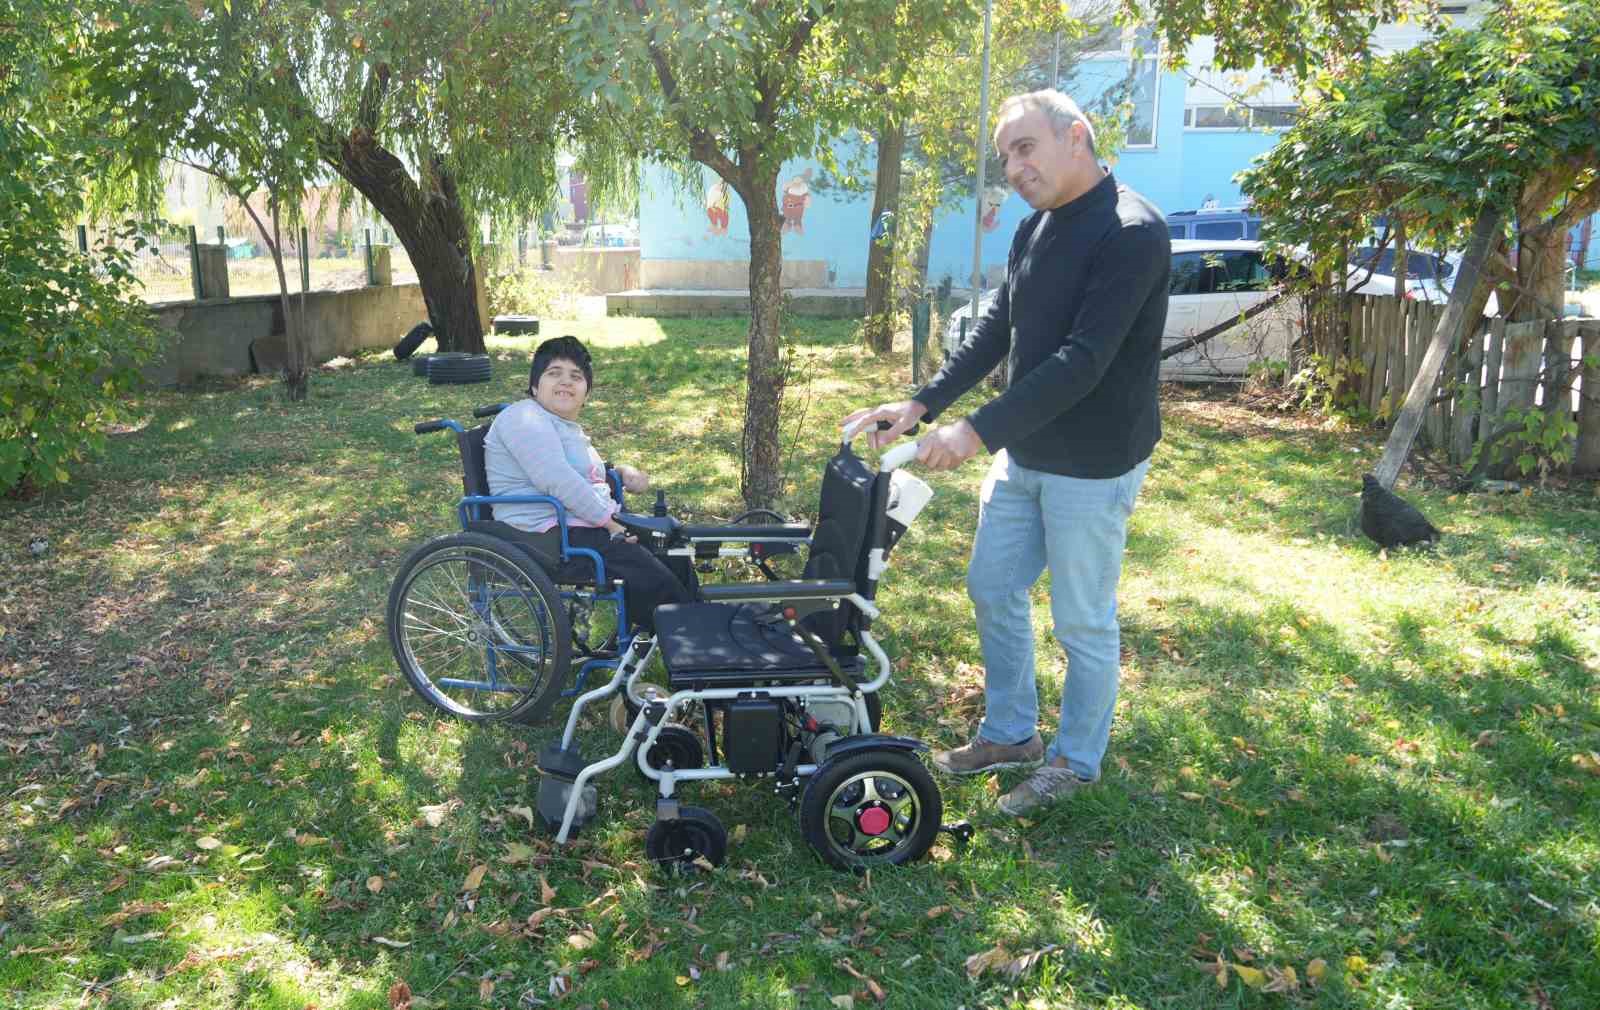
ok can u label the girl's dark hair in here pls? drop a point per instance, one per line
(563, 348)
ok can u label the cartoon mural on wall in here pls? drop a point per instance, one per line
(718, 198)
(796, 197)
(993, 197)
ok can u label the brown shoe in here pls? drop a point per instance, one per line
(1047, 784)
(982, 756)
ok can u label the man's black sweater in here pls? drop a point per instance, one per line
(1081, 312)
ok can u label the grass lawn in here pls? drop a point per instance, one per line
(1337, 778)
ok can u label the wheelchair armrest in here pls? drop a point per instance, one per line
(798, 589)
(746, 534)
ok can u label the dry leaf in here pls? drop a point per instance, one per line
(132, 910)
(517, 852)
(1281, 979)
(977, 964)
(739, 832)
(396, 944)
(1355, 963)
(143, 937)
(485, 989)
(1192, 797)
(526, 813)
(582, 940)
(1019, 966)
(400, 996)
(846, 1002)
(308, 841)
(873, 987)
(1316, 971)
(1589, 762)
(208, 843)
(374, 883)
(475, 877)
(434, 815)
(1252, 977)
(937, 910)
(538, 917)
(683, 980)
(547, 894)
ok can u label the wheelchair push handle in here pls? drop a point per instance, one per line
(443, 423)
(489, 410)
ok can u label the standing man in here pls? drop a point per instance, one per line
(1078, 321)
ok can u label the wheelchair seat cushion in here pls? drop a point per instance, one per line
(711, 644)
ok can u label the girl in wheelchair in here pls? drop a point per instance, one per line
(537, 447)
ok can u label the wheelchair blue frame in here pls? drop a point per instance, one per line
(471, 507)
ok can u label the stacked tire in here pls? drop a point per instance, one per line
(455, 368)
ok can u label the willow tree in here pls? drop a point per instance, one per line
(440, 114)
(1503, 116)
(742, 86)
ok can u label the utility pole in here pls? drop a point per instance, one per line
(982, 131)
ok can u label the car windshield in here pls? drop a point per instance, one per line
(1381, 261)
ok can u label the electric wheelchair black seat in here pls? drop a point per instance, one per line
(782, 677)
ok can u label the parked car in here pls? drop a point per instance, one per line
(1214, 224)
(1429, 278)
(1211, 283)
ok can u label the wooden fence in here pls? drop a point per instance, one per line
(1499, 366)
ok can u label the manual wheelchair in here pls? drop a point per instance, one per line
(486, 627)
(780, 675)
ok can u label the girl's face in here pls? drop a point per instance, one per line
(562, 389)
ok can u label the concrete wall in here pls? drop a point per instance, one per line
(214, 336)
(598, 270)
(725, 275)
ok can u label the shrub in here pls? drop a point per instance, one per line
(534, 292)
(72, 334)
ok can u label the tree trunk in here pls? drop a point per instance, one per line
(761, 476)
(296, 367)
(879, 324)
(431, 225)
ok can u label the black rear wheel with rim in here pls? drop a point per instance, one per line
(479, 630)
(688, 842)
(871, 808)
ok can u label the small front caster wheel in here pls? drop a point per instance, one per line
(690, 843)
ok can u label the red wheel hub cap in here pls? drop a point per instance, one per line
(873, 821)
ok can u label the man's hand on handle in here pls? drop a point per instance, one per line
(944, 448)
(902, 417)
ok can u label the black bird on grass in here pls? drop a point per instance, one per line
(1389, 520)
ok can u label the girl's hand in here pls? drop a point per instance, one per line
(619, 532)
(633, 481)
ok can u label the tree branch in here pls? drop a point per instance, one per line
(702, 146)
(1579, 206)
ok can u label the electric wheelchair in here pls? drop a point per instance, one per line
(486, 627)
(779, 675)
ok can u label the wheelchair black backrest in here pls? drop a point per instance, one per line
(474, 476)
(850, 524)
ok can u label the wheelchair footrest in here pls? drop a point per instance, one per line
(563, 764)
(552, 806)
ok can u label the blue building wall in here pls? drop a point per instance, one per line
(1182, 168)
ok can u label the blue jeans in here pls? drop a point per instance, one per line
(1027, 520)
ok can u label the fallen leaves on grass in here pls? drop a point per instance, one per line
(998, 959)
(526, 813)
(475, 877)
(374, 883)
(384, 941)
(133, 910)
(1316, 971)
(400, 996)
(517, 852)
(208, 843)
(872, 987)
(1589, 762)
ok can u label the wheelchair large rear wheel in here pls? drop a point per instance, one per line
(871, 808)
(479, 630)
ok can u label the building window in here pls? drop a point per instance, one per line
(1236, 117)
